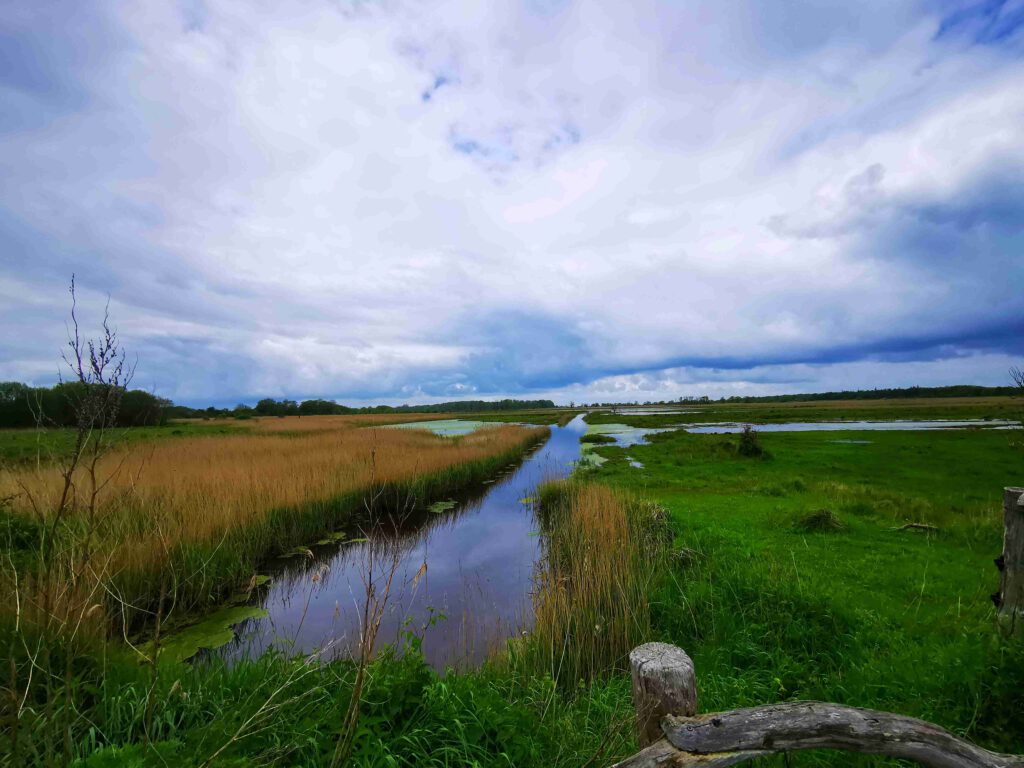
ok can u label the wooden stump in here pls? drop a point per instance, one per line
(1010, 598)
(664, 683)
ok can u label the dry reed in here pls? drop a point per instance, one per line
(602, 551)
(210, 507)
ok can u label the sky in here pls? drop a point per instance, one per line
(420, 201)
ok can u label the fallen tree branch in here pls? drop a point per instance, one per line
(714, 740)
(917, 527)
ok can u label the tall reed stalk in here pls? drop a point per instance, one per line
(603, 551)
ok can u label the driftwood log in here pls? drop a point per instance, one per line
(728, 738)
(1010, 597)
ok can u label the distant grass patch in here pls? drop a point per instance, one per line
(27, 446)
(547, 417)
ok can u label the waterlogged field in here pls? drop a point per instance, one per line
(953, 408)
(787, 571)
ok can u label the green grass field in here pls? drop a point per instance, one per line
(866, 614)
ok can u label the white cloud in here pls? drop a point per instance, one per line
(333, 198)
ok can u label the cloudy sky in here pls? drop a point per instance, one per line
(411, 201)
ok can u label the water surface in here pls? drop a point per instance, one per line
(446, 427)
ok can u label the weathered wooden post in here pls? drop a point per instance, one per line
(1010, 597)
(664, 683)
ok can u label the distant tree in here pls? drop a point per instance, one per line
(266, 407)
(25, 406)
(321, 408)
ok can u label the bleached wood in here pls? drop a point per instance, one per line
(815, 725)
(663, 683)
(661, 754)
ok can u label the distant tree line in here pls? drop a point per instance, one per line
(271, 407)
(463, 406)
(265, 407)
(958, 390)
(25, 406)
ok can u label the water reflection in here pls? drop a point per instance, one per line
(467, 570)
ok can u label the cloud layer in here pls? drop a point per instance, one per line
(409, 201)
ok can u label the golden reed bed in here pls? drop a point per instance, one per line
(172, 492)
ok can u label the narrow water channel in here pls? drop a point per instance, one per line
(479, 558)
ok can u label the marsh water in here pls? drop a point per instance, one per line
(463, 581)
(465, 566)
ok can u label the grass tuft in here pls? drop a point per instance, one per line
(603, 552)
(820, 521)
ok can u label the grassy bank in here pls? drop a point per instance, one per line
(276, 711)
(547, 417)
(795, 578)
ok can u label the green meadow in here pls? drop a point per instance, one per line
(853, 567)
(796, 578)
